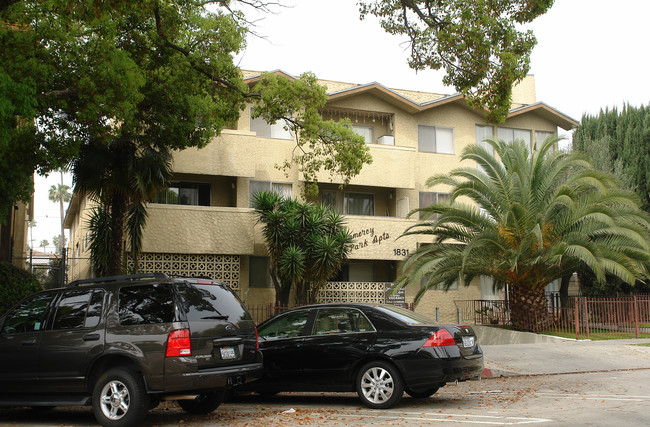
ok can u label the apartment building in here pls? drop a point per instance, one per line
(204, 225)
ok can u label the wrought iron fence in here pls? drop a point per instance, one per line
(579, 317)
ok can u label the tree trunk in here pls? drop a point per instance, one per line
(528, 309)
(118, 209)
(282, 293)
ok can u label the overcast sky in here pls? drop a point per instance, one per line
(590, 54)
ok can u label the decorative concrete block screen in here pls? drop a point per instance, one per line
(224, 268)
(353, 292)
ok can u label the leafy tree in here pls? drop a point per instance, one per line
(478, 43)
(534, 218)
(307, 245)
(129, 77)
(60, 193)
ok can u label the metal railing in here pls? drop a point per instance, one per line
(582, 317)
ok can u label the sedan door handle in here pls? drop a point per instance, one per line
(29, 342)
(91, 337)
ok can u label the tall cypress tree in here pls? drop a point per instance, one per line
(625, 138)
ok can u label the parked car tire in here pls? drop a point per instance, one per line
(120, 398)
(204, 404)
(379, 385)
(421, 393)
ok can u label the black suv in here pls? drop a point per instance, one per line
(124, 343)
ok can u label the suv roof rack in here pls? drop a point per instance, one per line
(119, 278)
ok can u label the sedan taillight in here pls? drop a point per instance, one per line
(178, 343)
(441, 338)
(257, 340)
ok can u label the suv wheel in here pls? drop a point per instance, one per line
(120, 398)
(203, 404)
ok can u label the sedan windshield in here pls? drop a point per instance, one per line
(407, 316)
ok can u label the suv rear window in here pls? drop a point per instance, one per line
(146, 304)
(211, 301)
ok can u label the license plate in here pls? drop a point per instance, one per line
(468, 341)
(227, 353)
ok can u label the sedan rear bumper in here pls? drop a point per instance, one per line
(435, 366)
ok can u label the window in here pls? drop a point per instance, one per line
(276, 130)
(330, 199)
(510, 135)
(540, 136)
(483, 133)
(210, 301)
(427, 198)
(340, 321)
(79, 309)
(287, 326)
(368, 133)
(359, 204)
(29, 316)
(435, 139)
(146, 304)
(185, 193)
(258, 272)
(281, 188)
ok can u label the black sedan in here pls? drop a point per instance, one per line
(379, 351)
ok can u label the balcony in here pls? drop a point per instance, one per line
(391, 167)
(199, 229)
(233, 153)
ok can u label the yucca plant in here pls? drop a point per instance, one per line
(526, 219)
(307, 245)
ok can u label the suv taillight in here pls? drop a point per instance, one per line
(178, 343)
(441, 338)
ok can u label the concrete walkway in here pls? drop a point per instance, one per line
(561, 356)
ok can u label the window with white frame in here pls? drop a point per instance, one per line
(277, 130)
(281, 188)
(510, 135)
(435, 139)
(359, 204)
(427, 198)
(368, 133)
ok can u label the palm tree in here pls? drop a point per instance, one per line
(121, 176)
(307, 245)
(533, 218)
(60, 193)
(43, 244)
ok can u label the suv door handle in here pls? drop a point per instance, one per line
(91, 337)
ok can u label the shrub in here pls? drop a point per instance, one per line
(15, 284)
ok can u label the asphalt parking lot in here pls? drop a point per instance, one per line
(566, 383)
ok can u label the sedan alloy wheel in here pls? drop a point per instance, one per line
(379, 385)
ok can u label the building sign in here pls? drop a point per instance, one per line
(368, 237)
(398, 298)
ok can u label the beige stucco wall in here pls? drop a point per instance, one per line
(444, 300)
(198, 230)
